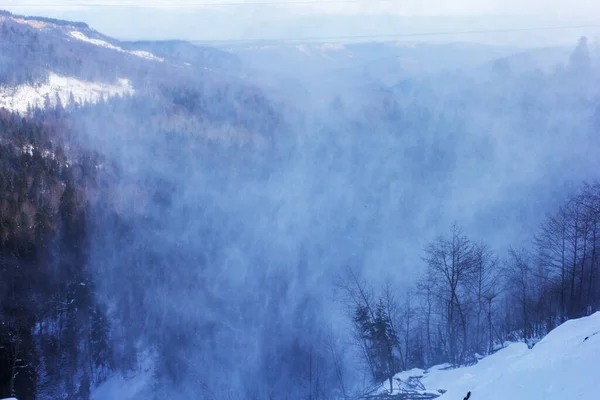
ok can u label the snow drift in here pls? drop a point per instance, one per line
(563, 365)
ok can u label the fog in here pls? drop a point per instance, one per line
(290, 218)
(222, 231)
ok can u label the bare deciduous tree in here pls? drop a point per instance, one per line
(450, 264)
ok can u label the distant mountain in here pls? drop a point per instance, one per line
(44, 60)
(54, 21)
(544, 59)
(189, 54)
(380, 62)
(389, 63)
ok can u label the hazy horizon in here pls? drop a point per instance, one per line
(344, 20)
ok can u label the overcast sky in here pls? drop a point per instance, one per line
(220, 19)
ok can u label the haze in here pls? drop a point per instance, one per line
(300, 202)
(224, 20)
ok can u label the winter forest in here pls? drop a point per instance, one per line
(218, 231)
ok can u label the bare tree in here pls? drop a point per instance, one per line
(391, 308)
(519, 279)
(551, 244)
(337, 356)
(486, 287)
(589, 200)
(567, 250)
(430, 312)
(450, 266)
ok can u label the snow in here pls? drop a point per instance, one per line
(18, 98)
(124, 387)
(326, 47)
(333, 46)
(138, 53)
(563, 365)
(80, 36)
(146, 54)
(33, 23)
(27, 149)
(303, 49)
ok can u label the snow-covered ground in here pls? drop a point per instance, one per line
(139, 53)
(128, 387)
(19, 97)
(563, 365)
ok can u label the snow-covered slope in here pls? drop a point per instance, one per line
(90, 64)
(102, 43)
(18, 98)
(563, 365)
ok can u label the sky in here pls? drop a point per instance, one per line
(571, 8)
(273, 19)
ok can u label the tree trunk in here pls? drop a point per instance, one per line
(591, 289)
(574, 266)
(491, 348)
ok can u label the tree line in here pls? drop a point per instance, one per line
(53, 332)
(470, 301)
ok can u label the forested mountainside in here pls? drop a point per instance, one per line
(56, 340)
(52, 324)
(56, 195)
(32, 48)
(223, 242)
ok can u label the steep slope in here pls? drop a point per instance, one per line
(563, 365)
(58, 162)
(45, 59)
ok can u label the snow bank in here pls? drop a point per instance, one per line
(563, 365)
(19, 97)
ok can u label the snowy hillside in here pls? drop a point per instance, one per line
(63, 58)
(139, 53)
(563, 365)
(20, 97)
